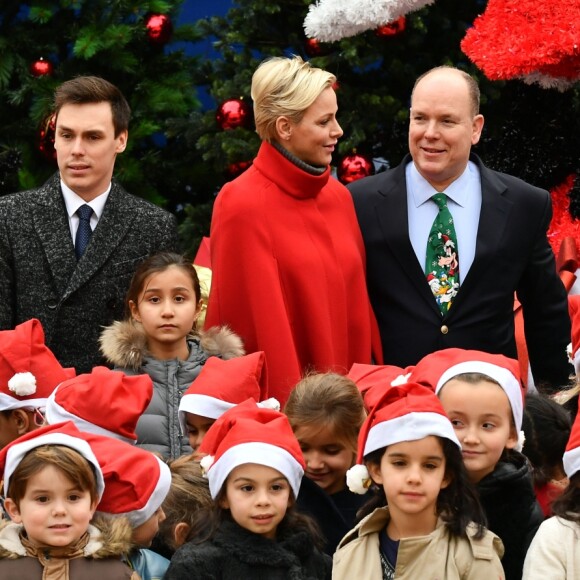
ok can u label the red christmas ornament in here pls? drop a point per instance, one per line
(46, 138)
(314, 47)
(235, 169)
(354, 166)
(233, 113)
(41, 67)
(391, 28)
(159, 28)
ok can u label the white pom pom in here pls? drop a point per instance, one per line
(23, 384)
(521, 440)
(400, 380)
(569, 353)
(270, 403)
(358, 479)
(205, 464)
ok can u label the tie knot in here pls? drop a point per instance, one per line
(440, 199)
(85, 212)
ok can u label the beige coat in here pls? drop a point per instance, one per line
(554, 552)
(437, 556)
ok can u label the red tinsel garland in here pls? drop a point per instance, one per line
(521, 38)
(562, 224)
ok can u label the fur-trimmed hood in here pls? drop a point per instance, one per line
(124, 343)
(108, 538)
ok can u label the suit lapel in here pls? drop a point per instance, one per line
(393, 218)
(493, 219)
(51, 225)
(110, 230)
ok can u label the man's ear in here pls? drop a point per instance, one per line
(12, 510)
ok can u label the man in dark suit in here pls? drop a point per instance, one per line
(69, 248)
(500, 225)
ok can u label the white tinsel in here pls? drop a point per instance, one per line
(330, 20)
(270, 403)
(358, 479)
(205, 464)
(547, 82)
(23, 384)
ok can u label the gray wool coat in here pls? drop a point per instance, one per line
(41, 278)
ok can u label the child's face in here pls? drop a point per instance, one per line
(197, 427)
(167, 308)
(257, 497)
(143, 535)
(53, 511)
(412, 474)
(482, 418)
(327, 457)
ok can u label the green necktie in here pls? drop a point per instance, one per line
(442, 261)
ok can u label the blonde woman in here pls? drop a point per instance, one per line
(287, 255)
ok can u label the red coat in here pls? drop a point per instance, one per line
(288, 271)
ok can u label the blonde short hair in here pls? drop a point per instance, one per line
(285, 87)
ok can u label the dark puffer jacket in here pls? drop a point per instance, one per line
(512, 511)
(236, 553)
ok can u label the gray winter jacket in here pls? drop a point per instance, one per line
(124, 344)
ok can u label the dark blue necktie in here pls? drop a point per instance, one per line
(84, 231)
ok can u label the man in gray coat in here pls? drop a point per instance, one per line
(69, 248)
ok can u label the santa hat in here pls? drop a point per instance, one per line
(373, 380)
(250, 434)
(435, 369)
(404, 413)
(65, 434)
(574, 346)
(103, 401)
(136, 480)
(29, 371)
(223, 384)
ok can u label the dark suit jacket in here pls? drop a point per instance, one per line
(512, 255)
(41, 278)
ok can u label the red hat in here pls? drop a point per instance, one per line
(250, 434)
(103, 401)
(29, 371)
(574, 347)
(404, 413)
(373, 380)
(223, 384)
(136, 480)
(435, 369)
(65, 434)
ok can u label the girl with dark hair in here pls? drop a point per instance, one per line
(254, 467)
(425, 519)
(159, 337)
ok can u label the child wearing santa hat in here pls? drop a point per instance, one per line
(29, 372)
(425, 520)
(483, 396)
(103, 402)
(136, 485)
(555, 550)
(221, 385)
(53, 483)
(254, 467)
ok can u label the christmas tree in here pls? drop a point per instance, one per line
(530, 131)
(130, 43)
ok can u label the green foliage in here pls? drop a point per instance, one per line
(107, 38)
